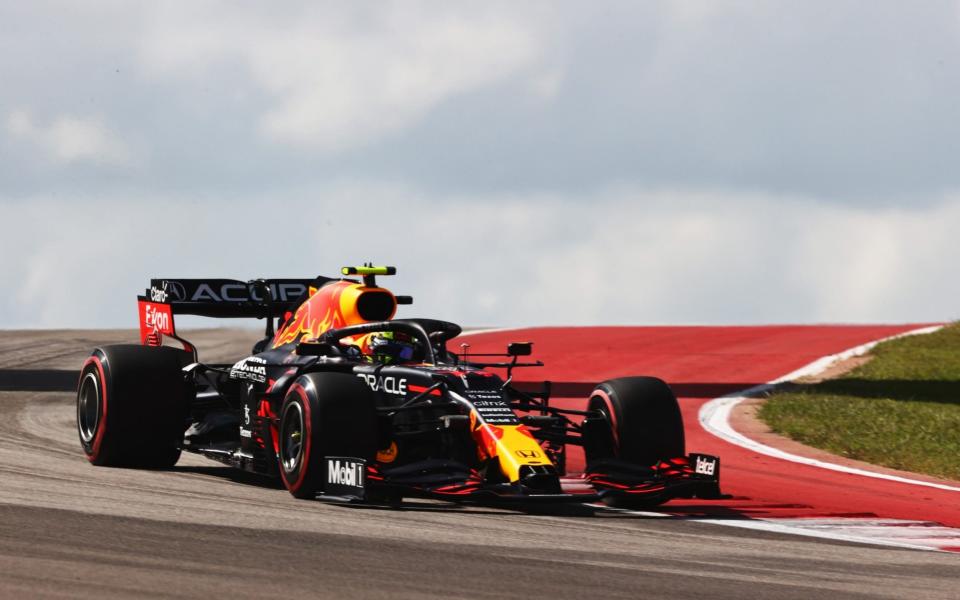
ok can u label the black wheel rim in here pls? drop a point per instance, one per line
(597, 403)
(88, 408)
(292, 432)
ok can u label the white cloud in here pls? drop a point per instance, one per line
(340, 77)
(70, 139)
(19, 123)
(547, 84)
(632, 256)
(873, 264)
(483, 144)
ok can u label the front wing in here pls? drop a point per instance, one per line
(693, 476)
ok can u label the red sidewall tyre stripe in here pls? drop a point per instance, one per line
(102, 421)
(296, 388)
(612, 415)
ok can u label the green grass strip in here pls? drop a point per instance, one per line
(900, 410)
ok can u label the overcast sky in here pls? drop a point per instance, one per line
(519, 162)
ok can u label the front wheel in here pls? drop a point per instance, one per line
(637, 422)
(642, 419)
(324, 414)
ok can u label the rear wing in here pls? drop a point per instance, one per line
(218, 298)
(230, 298)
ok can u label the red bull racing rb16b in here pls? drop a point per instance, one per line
(339, 400)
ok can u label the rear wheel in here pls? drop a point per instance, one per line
(324, 414)
(132, 406)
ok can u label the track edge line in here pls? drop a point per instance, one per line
(714, 416)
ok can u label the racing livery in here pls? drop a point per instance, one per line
(340, 400)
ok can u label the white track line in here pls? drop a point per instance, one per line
(897, 533)
(715, 416)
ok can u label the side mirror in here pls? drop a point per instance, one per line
(520, 348)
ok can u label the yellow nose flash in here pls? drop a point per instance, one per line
(512, 445)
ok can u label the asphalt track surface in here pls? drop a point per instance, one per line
(68, 529)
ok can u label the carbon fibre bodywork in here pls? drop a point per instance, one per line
(446, 426)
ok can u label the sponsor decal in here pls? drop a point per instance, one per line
(478, 395)
(283, 292)
(251, 368)
(345, 476)
(246, 414)
(705, 465)
(157, 317)
(504, 420)
(390, 384)
(389, 454)
(527, 453)
(159, 320)
(205, 292)
(168, 291)
(246, 433)
(220, 290)
(491, 407)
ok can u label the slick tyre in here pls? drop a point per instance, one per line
(643, 420)
(132, 406)
(324, 414)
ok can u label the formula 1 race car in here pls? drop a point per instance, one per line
(341, 401)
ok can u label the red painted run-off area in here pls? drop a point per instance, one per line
(702, 363)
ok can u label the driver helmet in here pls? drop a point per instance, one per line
(392, 346)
